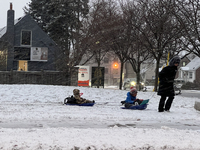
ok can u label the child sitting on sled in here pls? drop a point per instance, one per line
(79, 99)
(131, 99)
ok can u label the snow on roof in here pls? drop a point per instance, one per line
(194, 64)
(185, 68)
(143, 70)
(3, 30)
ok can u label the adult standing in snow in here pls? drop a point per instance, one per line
(166, 85)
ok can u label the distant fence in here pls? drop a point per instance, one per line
(37, 77)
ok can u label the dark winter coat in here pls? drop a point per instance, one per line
(166, 78)
(80, 100)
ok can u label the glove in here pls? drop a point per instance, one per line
(123, 102)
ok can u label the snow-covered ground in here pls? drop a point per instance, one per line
(33, 117)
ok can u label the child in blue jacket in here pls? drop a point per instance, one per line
(131, 99)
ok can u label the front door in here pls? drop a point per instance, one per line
(23, 65)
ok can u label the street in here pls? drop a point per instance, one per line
(190, 93)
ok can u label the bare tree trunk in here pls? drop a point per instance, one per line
(138, 80)
(156, 77)
(121, 73)
(98, 74)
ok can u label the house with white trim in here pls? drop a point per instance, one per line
(191, 72)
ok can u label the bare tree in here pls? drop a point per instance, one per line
(137, 52)
(137, 56)
(188, 14)
(120, 44)
(116, 33)
(158, 28)
(95, 27)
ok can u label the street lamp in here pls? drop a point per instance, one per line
(115, 65)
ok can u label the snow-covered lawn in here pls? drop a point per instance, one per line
(33, 117)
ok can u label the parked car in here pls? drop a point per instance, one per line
(177, 90)
(131, 82)
(178, 83)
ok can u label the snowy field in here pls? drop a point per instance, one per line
(33, 117)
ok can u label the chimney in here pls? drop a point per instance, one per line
(10, 32)
(10, 6)
(10, 20)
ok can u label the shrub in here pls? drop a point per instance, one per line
(191, 86)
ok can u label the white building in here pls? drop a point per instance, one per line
(191, 71)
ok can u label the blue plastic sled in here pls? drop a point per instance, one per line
(142, 106)
(84, 104)
(138, 107)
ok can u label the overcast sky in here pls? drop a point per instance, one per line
(17, 7)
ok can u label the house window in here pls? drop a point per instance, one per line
(26, 38)
(3, 59)
(106, 60)
(184, 64)
(22, 53)
(190, 75)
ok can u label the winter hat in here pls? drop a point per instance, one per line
(76, 91)
(174, 60)
(133, 91)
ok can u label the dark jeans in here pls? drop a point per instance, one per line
(162, 106)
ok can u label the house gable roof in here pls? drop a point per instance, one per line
(3, 30)
(27, 21)
(194, 64)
